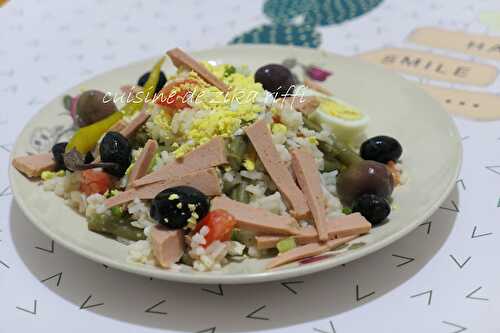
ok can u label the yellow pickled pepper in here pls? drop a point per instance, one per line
(86, 138)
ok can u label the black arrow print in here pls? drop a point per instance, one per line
(58, 275)
(4, 264)
(218, 292)
(359, 298)
(251, 315)
(33, 312)
(454, 209)
(407, 260)
(287, 286)
(5, 192)
(208, 330)
(474, 235)
(476, 298)
(461, 182)
(5, 147)
(428, 292)
(461, 265)
(460, 328)
(494, 168)
(51, 250)
(84, 305)
(332, 329)
(152, 309)
(428, 224)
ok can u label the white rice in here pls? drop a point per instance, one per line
(96, 206)
(163, 158)
(210, 258)
(291, 119)
(140, 214)
(273, 203)
(141, 252)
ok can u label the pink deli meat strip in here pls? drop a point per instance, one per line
(182, 59)
(32, 166)
(168, 245)
(347, 225)
(143, 163)
(129, 130)
(261, 139)
(306, 251)
(255, 219)
(206, 181)
(205, 156)
(309, 179)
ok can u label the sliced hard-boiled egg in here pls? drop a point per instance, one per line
(346, 122)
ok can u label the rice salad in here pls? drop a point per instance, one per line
(216, 163)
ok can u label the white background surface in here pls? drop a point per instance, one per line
(48, 46)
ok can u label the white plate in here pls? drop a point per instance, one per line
(432, 157)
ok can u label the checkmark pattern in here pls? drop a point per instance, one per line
(442, 277)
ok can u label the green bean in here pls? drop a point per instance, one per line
(228, 186)
(236, 150)
(240, 194)
(186, 259)
(331, 164)
(115, 226)
(311, 124)
(340, 151)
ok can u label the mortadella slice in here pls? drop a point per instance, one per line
(33, 165)
(309, 250)
(317, 87)
(205, 156)
(168, 245)
(118, 127)
(261, 139)
(206, 181)
(143, 163)
(347, 225)
(255, 219)
(135, 124)
(309, 180)
(304, 104)
(182, 59)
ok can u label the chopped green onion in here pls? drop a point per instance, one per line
(117, 211)
(346, 210)
(286, 244)
(235, 235)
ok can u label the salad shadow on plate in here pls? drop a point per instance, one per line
(190, 308)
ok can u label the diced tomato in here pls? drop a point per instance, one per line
(176, 95)
(220, 224)
(94, 181)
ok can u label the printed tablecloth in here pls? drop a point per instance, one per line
(443, 277)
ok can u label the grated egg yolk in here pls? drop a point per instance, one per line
(228, 112)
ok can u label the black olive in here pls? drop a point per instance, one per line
(277, 79)
(381, 148)
(92, 106)
(374, 208)
(89, 158)
(161, 81)
(115, 148)
(174, 207)
(58, 151)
